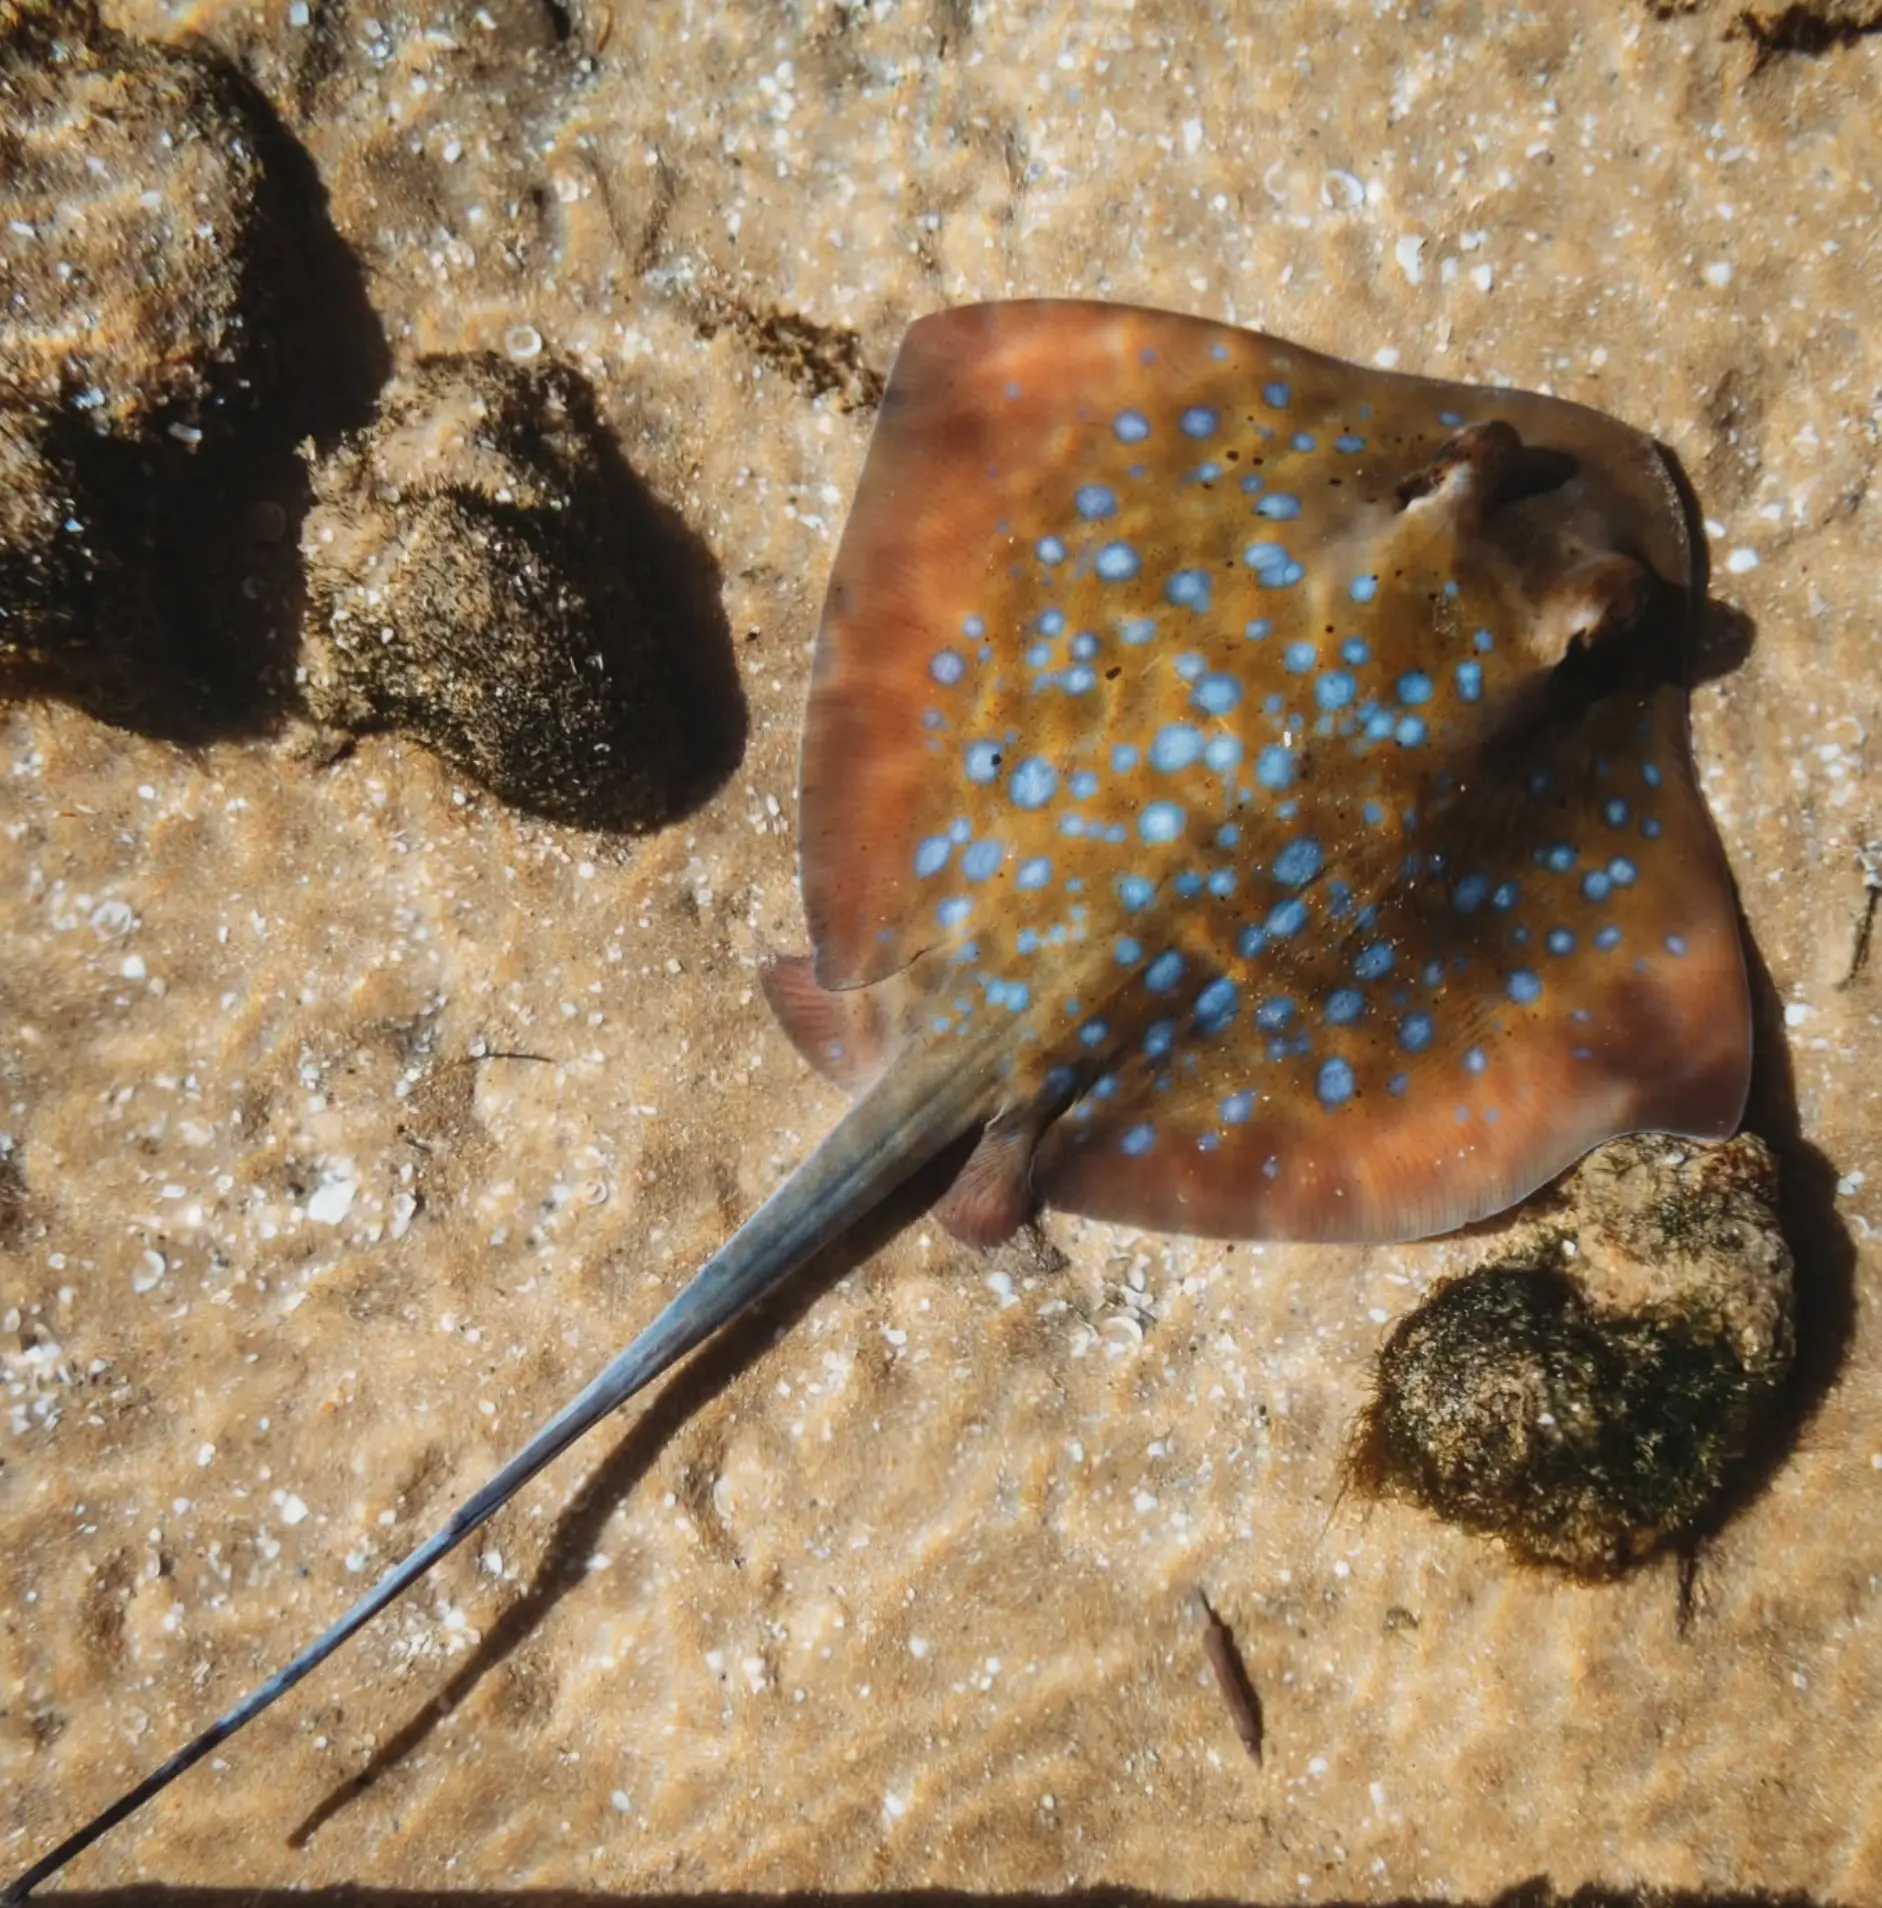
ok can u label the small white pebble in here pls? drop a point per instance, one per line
(1797, 1012)
(1741, 560)
(523, 342)
(1718, 274)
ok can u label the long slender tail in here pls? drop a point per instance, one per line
(917, 1110)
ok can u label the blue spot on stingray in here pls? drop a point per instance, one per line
(1137, 630)
(1223, 753)
(1094, 1033)
(1034, 874)
(1335, 690)
(1299, 862)
(1199, 421)
(1273, 1015)
(932, 855)
(1559, 858)
(1039, 656)
(1468, 896)
(1505, 897)
(1190, 589)
(1474, 1060)
(1250, 942)
(1275, 769)
(1164, 972)
(1650, 827)
(1128, 951)
(1596, 885)
(1452, 420)
(1274, 569)
(1278, 507)
(1218, 695)
(1188, 886)
(1176, 747)
(952, 913)
(1138, 1140)
(1379, 724)
(983, 762)
(1349, 443)
(1085, 645)
(1117, 563)
(1484, 642)
(1364, 589)
(1650, 774)
(1414, 688)
(1161, 821)
(1416, 1032)
(1356, 651)
(1622, 872)
(1608, 939)
(1345, 1005)
(1049, 550)
(1217, 1005)
(1410, 732)
(1286, 919)
(1299, 658)
(1135, 891)
(1399, 1085)
(1560, 941)
(1373, 814)
(1223, 883)
(1027, 940)
(1095, 502)
(1052, 623)
(1034, 783)
(1470, 681)
(1079, 679)
(1525, 987)
(1124, 758)
(1238, 1109)
(1335, 1084)
(948, 667)
(1374, 962)
(1132, 427)
(983, 860)
(1615, 812)
(1084, 785)
(1159, 1037)
(1304, 440)
(1276, 395)
(1676, 945)
(1258, 631)
(1190, 666)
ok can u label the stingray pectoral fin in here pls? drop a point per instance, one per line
(1573, 977)
(914, 1113)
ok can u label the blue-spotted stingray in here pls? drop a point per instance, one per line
(1249, 793)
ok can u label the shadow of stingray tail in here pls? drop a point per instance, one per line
(915, 1113)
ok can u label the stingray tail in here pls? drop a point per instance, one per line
(918, 1109)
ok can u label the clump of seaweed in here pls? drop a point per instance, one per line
(1587, 1395)
(464, 588)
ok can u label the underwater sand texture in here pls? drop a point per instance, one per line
(891, 1590)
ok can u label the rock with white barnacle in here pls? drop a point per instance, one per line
(466, 587)
(1588, 1395)
(130, 192)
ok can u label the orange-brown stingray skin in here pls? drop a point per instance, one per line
(1182, 704)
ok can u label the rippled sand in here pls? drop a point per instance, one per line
(354, 1120)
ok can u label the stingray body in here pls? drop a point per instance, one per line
(1248, 792)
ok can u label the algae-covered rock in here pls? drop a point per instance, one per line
(465, 587)
(1586, 1395)
(129, 193)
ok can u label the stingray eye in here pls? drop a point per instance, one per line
(1488, 465)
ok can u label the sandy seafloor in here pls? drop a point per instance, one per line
(895, 1597)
